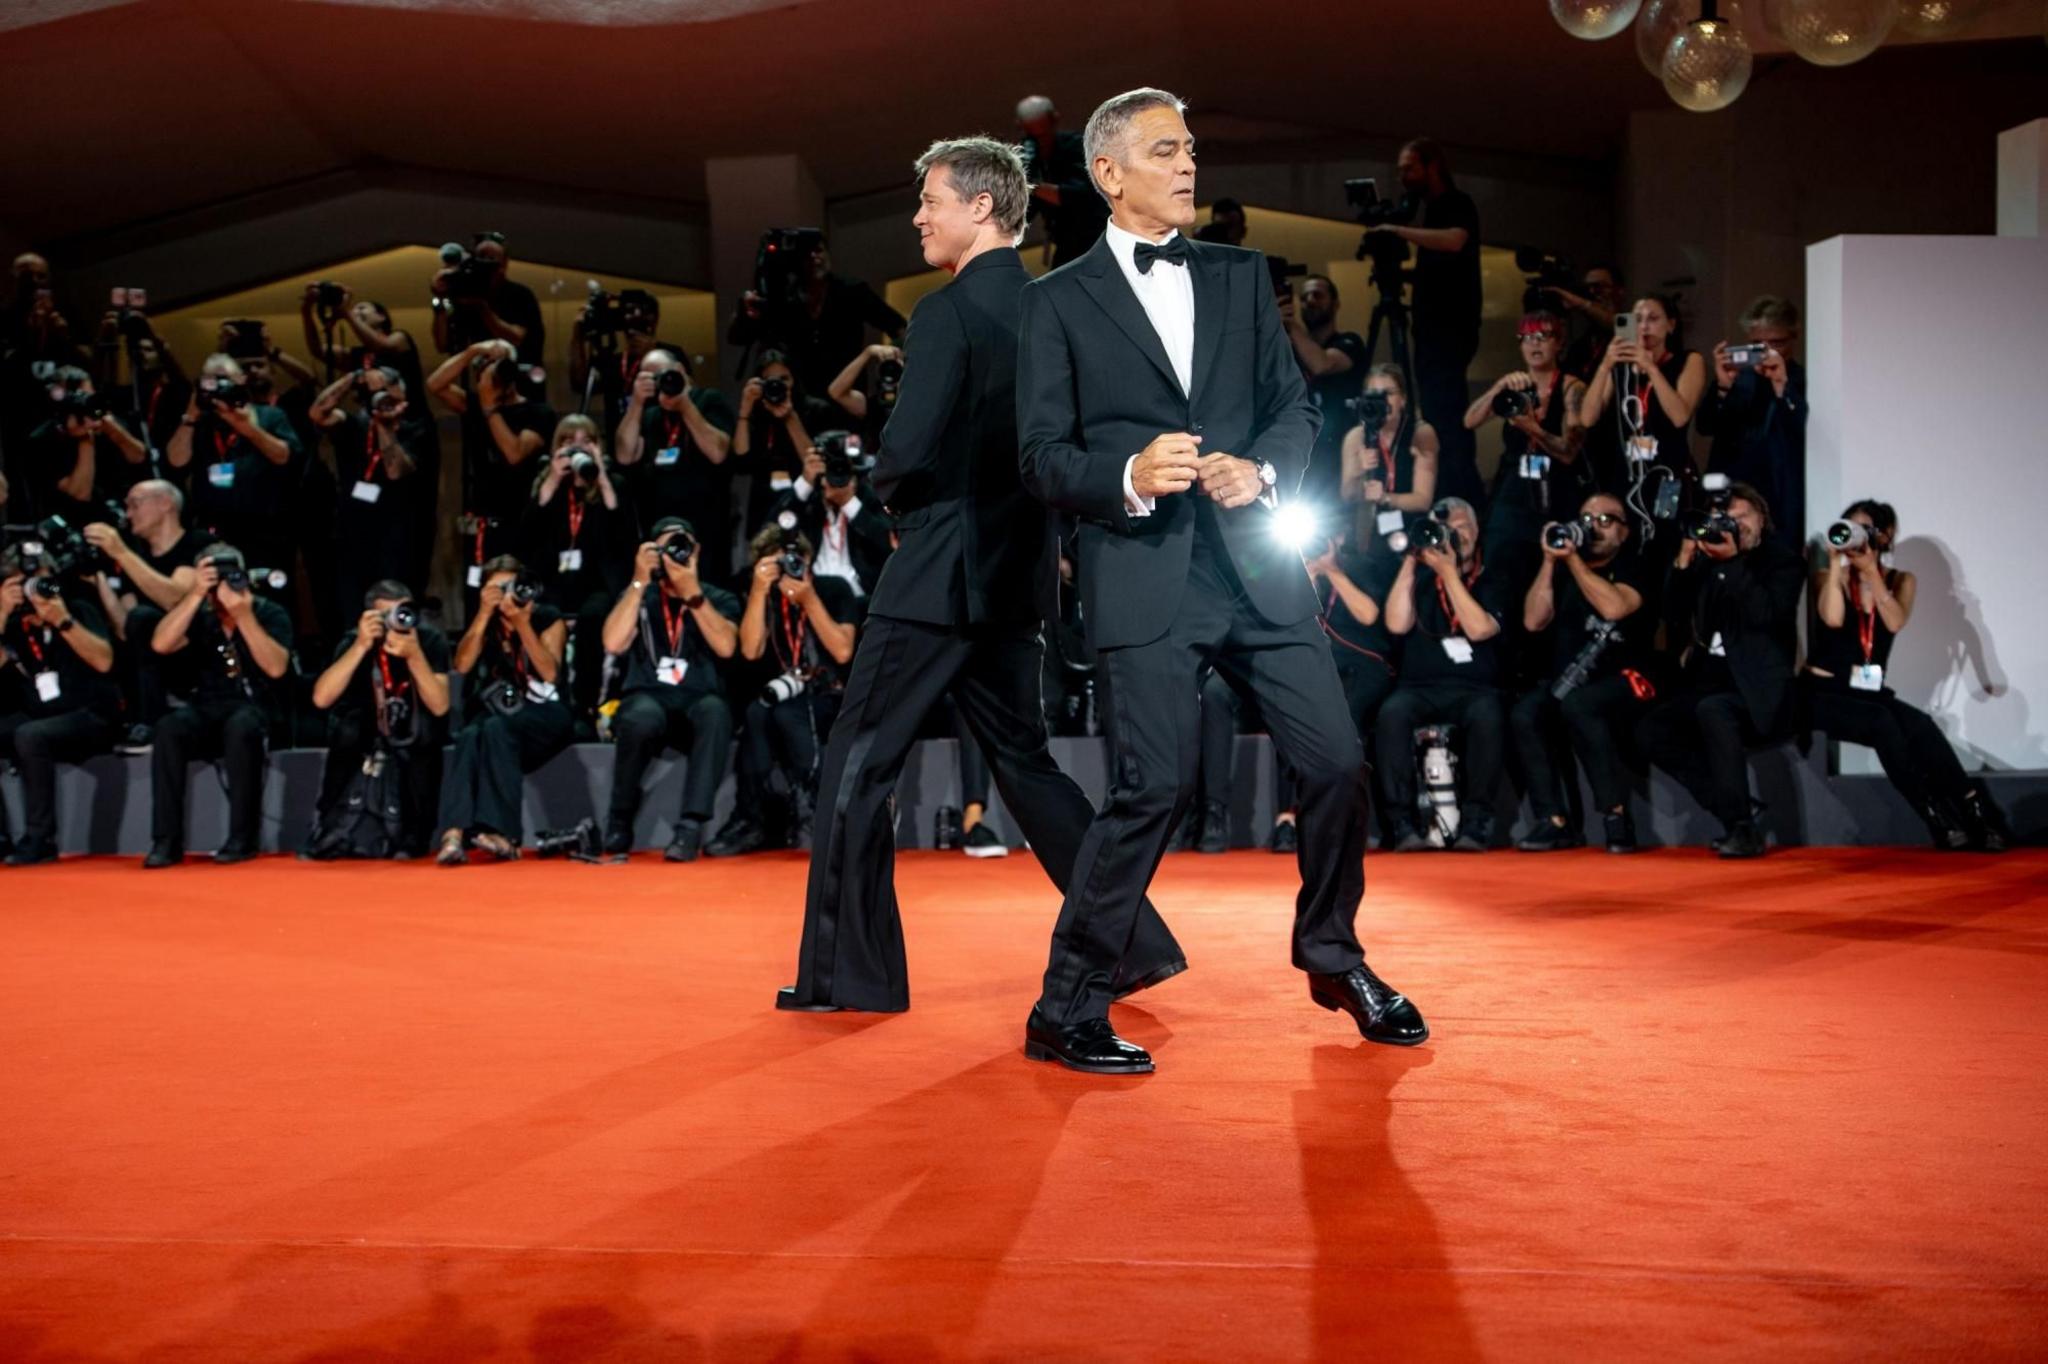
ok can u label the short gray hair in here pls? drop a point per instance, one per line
(1768, 310)
(982, 165)
(1109, 128)
(158, 487)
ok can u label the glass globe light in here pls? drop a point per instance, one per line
(1707, 65)
(1831, 32)
(1936, 18)
(1594, 19)
(1657, 24)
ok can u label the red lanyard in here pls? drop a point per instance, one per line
(1443, 599)
(675, 625)
(33, 647)
(391, 686)
(221, 441)
(575, 518)
(370, 448)
(1866, 622)
(508, 640)
(154, 394)
(673, 425)
(1389, 472)
(793, 631)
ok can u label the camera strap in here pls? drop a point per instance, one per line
(1599, 634)
(1866, 621)
(575, 517)
(383, 687)
(374, 457)
(794, 629)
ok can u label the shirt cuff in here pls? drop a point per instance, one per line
(1134, 504)
(851, 509)
(802, 488)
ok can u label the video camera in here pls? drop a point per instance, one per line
(1282, 270)
(469, 276)
(1545, 276)
(1387, 252)
(782, 263)
(1712, 524)
(844, 459)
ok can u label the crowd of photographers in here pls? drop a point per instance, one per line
(186, 545)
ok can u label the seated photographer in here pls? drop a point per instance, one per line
(671, 629)
(386, 690)
(836, 506)
(1354, 590)
(1584, 614)
(153, 560)
(817, 322)
(1860, 605)
(580, 541)
(474, 299)
(238, 646)
(609, 345)
(1390, 459)
(1731, 611)
(58, 701)
(82, 457)
(674, 437)
(379, 450)
(771, 435)
(1755, 410)
(504, 431)
(1636, 409)
(232, 454)
(1541, 477)
(866, 391)
(511, 657)
(1333, 366)
(1448, 611)
(805, 622)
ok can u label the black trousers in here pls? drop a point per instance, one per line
(1154, 724)
(784, 735)
(1480, 714)
(1598, 717)
(696, 723)
(37, 745)
(236, 733)
(143, 683)
(351, 738)
(852, 950)
(1702, 738)
(1916, 755)
(482, 790)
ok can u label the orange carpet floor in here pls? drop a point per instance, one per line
(1789, 1109)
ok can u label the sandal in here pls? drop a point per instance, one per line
(498, 846)
(452, 853)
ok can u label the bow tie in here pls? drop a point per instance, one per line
(1175, 252)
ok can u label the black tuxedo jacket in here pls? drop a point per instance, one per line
(867, 536)
(1094, 387)
(974, 546)
(1752, 602)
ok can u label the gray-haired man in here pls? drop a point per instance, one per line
(958, 608)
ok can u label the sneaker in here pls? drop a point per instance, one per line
(1215, 828)
(687, 843)
(1286, 837)
(137, 739)
(1744, 840)
(1407, 838)
(1548, 837)
(1621, 832)
(740, 835)
(618, 837)
(981, 841)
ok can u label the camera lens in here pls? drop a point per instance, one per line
(671, 383)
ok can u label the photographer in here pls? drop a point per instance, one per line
(1756, 413)
(35, 341)
(58, 701)
(233, 453)
(610, 345)
(154, 560)
(475, 300)
(673, 437)
(1602, 293)
(372, 341)
(511, 656)
(866, 390)
(154, 395)
(1449, 610)
(808, 630)
(1860, 605)
(1584, 612)
(1063, 194)
(1541, 476)
(1389, 460)
(672, 630)
(818, 320)
(1333, 366)
(1732, 612)
(386, 688)
(772, 436)
(378, 451)
(1446, 306)
(82, 456)
(503, 434)
(1636, 410)
(238, 647)
(837, 507)
(1226, 224)
(580, 542)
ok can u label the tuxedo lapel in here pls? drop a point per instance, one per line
(1105, 283)
(1212, 302)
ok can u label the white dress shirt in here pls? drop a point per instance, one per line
(1167, 295)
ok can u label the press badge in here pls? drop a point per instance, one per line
(1716, 647)
(668, 455)
(221, 475)
(1457, 648)
(1390, 521)
(569, 561)
(1535, 466)
(475, 576)
(1642, 449)
(48, 688)
(671, 671)
(366, 491)
(1867, 677)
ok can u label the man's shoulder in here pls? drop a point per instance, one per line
(726, 602)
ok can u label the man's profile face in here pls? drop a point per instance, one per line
(946, 223)
(1154, 180)
(1749, 518)
(1606, 526)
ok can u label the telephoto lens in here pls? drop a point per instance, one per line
(584, 466)
(49, 589)
(403, 617)
(1848, 536)
(1429, 533)
(787, 687)
(775, 391)
(1564, 535)
(679, 547)
(671, 383)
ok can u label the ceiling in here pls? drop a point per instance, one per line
(130, 111)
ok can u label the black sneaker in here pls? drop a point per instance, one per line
(1744, 840)
(687, 843)
(1548, 837)
(1407, 838)
(1286, 837)
(137, 739)
(981, 841)
(618, 837)
(1215, 828)
(1621, 832)
(740, 835)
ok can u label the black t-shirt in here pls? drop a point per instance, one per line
(34, 649)
(772, 457)
(53, 457)
(1330, 393)
(786, 620)
(501, 658)
(220, 665)
(819, 347)
(1447, 290)
(385, 502)
(494, 487)
(234, 489)
(1574, 622)
(377, 666)
(673, 476)
(514, 303)
(613, 372)
(183, 553)
(576, 546)
(668, 629)
(1373, 575)
(1427, 651)
(162, 404)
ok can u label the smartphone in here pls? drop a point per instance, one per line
(117, 297)
(1625, 327)
(1746, 357)
(138, 297)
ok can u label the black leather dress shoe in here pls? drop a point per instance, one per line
(1148, 980)
(618, 839)
(1091, 1045)
(1383, 1014)
(30, 852)
(1215, 828)
(687, 843)
(1744, 840)
(786, 1000)
(165, 852)
(233, 852)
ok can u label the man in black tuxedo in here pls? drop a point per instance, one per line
(1175, 350)
(958, 606)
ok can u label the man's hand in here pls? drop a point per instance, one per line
(238, 604)
(798, 590)
(514, 610)
(647, 562)
(237, 418)
(642, 392)
(1723, 547)
(106, 540)
(1440, 561)
(765, 574)
(207, 578)
(1289, 318)
(11, 598)
(684, 575)
(369, 629)
(750, 395)
(488, 394)
(1772, 367)
(491, 599)
(1170, 464)
(1724, 372)
(51, 610)
(814, 467)
(1229, 481)
(402, 644)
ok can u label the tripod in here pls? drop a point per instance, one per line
(1390, 281)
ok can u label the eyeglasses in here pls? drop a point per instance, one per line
(1599, 519)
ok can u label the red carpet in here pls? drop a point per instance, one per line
(1788, 1109)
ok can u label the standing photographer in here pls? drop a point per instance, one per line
(805, 621)
(1541, 476)
(1584, 612)
(233, 454)
(1636, 410)
(1333, 366)
(372, 340)
(474, 299)
(387, 688)
(672, 629)
(153, 559)
(771, 438)
(58, 701)
(1389, 461)
(836, 506)
(503, 433)
(511, 656)
(866, 390)
(150, 400)
(1602, 293)
(1063, 194)
(1732, 612)
(609, 346)
(580, 539)
(675, 438)
(1449, 611)
(82, 456)
(1756, 413)
(378, 449)
(238, 647)
(822, 320)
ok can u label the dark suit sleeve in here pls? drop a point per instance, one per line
(934, 368)
(1770, 588)
(1286, 419)
(1054, 466)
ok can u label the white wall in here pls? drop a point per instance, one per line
(1930, 391)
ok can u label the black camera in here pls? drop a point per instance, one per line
(236, 574)
(525, 591)
(57, 546)
(1429, 533)
(1747, 356)
(1514, 402)
(402, 617)
(469, 276)
(1545, 278)
(844, 459)
(787, 687)
(1389, 253)
(1369, 409)
(49, 589)
(503, 698)
(603, 314)
(782, 263)
(672, 383)
(678, 548)
(888, 382)
(72, 400)
(1712, 524)
(1282, 270)
(583, 466)
(775, 392)
(244, 339)
(223, 390)
(1564, 535)
(329, 296)
(583, 842)
(385, 403)
(1848, 536)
